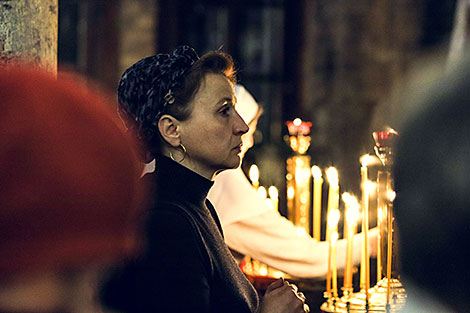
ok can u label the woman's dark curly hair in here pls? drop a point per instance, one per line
(166, 84)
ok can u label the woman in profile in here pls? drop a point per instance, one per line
(182, 108)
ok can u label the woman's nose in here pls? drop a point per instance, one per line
(240, 127)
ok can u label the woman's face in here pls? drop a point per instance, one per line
(212, 133)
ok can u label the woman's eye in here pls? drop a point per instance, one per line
(226, 111)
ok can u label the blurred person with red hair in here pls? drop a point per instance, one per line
(69, 198)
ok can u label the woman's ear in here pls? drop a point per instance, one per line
(168, 126)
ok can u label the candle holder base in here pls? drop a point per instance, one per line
(377, 302)
(331, 305)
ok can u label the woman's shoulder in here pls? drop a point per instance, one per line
(174, 216)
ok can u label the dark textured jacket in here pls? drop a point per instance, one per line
(186, 266)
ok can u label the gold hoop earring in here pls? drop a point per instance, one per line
(183, 148)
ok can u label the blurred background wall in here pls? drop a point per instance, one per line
(334, 63)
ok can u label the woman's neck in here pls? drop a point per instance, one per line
(193, 165)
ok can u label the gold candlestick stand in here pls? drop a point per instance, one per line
(298, 175)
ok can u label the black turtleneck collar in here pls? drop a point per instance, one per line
(176, 182)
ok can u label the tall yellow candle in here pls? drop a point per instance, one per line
(379, 239)
(334, 238)
(391, 196)
(254, 175)
(351, 216)
(333, 194)
(365, 224)
(317, 188)
(332, 225)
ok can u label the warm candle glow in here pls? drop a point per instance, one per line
(332, 224)
(333, 218)
(351, 218)
(254, 175)
(262, 192)
(365, 186)
(273, 194)
(301, 231)
(316, 172)
(317, 188)
(334, 238)
(290, 192)
(297, 122)
(352, 215)
(366, 159)
(269, 203)
(332, 176)
(263, 270)
(302, 175)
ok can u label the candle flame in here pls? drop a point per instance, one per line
(263, 271)
(391, 195)
(273, 193)
(365, 160)
(269, 203)
(332, 176)
(262, 192)
(334, 238)
(254, 173)
(297, 122)
(316, 172)
(333, 218)
(301, 231)
(352, 212)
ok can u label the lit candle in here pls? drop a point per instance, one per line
(351, 216)
(334, 238)
(365, 280)
(391, 197)
(332, 226)
(379, 239)
(317, 184)
(274, 195)
(333, 194)
(254, 175)
(262, 192)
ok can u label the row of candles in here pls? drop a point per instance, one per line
(271, 195)
(352, 216)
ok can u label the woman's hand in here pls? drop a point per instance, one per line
(283, 297)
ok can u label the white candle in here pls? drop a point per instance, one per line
(317, 188)
(274, 195)
(254, 175)
(262, 192)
